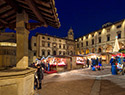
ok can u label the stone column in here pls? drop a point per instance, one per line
(22, 40)
(73, 62)
(68, 63)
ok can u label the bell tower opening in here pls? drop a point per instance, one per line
(70, 34)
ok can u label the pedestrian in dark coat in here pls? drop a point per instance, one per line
(88, 62)
(40, 76)
(94, 62)
(97, 61)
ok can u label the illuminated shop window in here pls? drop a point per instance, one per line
(8, 44)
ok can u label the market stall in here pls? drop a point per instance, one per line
(106, 56)
(118, 64)
(59, 63)
(78, 61)
(93, 55)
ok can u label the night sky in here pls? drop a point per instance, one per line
(84, 16)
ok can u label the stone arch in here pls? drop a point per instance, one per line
(43, 52)
(109, 48)
(48, 52)
(87, 51)
(100, 49)
(54, 52)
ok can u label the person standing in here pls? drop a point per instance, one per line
(94, 62)
(48, 66)
(113, 66)
(40, 76)
(88, 62)
(97, 61)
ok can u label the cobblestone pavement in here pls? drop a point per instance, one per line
(83, 82)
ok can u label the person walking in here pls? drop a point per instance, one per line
(40, 76)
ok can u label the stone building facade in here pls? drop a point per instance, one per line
(7, 49)
(44, 45)
(102, 40)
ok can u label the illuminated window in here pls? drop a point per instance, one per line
(8, 44)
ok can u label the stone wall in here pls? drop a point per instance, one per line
(15, 82)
